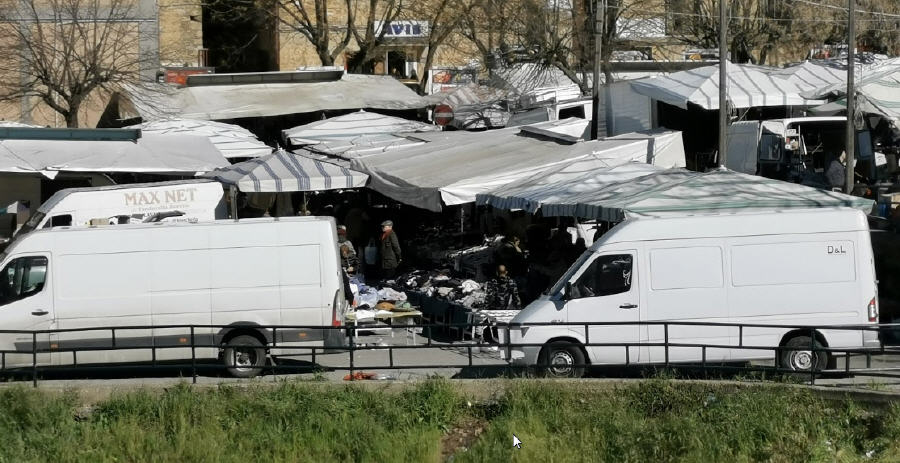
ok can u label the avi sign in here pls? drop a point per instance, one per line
(402, 28)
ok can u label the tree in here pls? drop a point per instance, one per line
(312, 23)
(62, 51)
(369, 39)
(444, 19)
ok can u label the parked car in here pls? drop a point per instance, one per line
(244, 275)
(790, 268)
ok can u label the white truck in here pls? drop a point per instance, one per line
(787, 268)
(197, 200)
(241, 276)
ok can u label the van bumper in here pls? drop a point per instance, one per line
(871, 339)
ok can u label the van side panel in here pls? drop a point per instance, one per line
(686, 284)
(810, 279)
(180, 289)
(302, 274)
(98, 289)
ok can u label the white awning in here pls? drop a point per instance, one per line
(349, 127)
(233, 141)
(150, 153)
(220, 102)
(680, 192)
(878, 91)
(285, 172)
(748, 86)
(453, 167)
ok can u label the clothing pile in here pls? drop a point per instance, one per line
(474, 260)
(439, 284)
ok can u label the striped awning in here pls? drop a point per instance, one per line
(285, 172)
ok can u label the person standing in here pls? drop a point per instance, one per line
(389, 251)
(501, 292)
(342, 239)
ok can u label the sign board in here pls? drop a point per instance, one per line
(403, 29)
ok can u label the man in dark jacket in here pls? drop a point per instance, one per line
(389, 251)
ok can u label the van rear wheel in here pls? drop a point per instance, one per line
(244, 356)
(797, 356)
(558, 360)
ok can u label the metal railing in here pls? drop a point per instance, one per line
(40, 344)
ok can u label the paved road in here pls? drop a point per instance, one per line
(485, 363)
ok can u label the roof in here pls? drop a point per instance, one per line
(749, 224)
(677, 192)
(233, 141)
(284, 172)
(218, 102)
(878, 90)
(748, 86)
(353, 126)
(151, 153)
(59, 195)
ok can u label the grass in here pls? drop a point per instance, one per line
(654, 420)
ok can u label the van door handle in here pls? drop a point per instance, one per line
(39, 312)
(628, 306)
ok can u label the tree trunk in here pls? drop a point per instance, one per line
(72, 117)
(429, 58)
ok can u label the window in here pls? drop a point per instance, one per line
(607, 275)
(21, 278)
(64, 220)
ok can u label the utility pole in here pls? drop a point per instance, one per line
(599, 12)
(723, 82)
(850, 144)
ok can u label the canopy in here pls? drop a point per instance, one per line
(233, 141)
(285, 172)
(353, 126)
(150, 153)
(681, 192)
(748, 86)
(218, 102)
(556, 184)
(878, 91)
(808, 75)
(453, 167)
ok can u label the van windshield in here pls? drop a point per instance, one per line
(558, 287)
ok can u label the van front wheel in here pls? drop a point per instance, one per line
(244, 356)
(558, 360)
(796, 355)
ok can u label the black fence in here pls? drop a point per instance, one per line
(60, 344)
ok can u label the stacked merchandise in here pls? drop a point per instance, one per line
(439, 284)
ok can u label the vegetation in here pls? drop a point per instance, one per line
(656, 420)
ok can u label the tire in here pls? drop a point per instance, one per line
(796, 356)
(244, 356)
(560, 355)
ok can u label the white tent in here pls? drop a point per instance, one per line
(569, 180)
(748, 86)
(360, 125)
(453, 167)
(150, 153)
(808, 75)
(285, 172)
(233, 141)
(220, 102)
(680, 192)
(878, 91)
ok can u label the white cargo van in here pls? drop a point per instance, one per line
(254, 272)
(793, 268)
(199, 200)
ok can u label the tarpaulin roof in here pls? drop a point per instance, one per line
(556, 184)
(453, 167)
(748, 86)
(217, 102)
(150, 153)
(353, 126)
(233, 141)
(469, 94)
(878, 91)
(285, 172)
(681, 192)
(809, 75)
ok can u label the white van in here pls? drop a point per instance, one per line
(793, 267)
(199, 200)
(253, 272)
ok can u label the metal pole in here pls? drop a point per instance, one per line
(723, 82)
(850, 143)
(598, 59)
